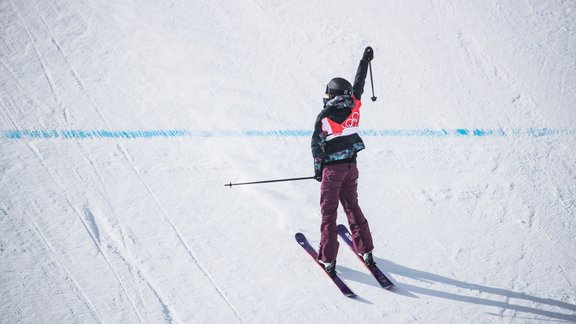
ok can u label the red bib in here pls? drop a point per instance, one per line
(347, 127)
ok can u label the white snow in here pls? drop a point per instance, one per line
(120, 122)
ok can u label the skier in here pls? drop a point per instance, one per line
(335, 143)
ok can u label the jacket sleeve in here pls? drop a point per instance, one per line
(318, 143)
(359, 80)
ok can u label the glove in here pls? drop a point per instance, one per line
(368, 54)
(318, 170)
(318, 176)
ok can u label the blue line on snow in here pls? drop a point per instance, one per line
(172, 133)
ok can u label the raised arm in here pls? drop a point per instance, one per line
(359, 80)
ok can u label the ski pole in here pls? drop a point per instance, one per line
(371, 81)
(266, 181)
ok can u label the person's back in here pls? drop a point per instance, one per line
(335, 144)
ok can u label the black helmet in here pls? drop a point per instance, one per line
(338, 86)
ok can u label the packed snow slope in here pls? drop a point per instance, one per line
(120, 122)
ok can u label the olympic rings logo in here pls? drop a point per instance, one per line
(352, 120)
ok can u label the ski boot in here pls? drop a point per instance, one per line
(369, 259)
(330, 267)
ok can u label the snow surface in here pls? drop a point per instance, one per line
(121, 120)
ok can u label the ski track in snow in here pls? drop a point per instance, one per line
(69, 275)
(91, 233)
(75, 74)
(47, 74)
(90, 221)
(129, 159)
(180, 237)
(125, 153)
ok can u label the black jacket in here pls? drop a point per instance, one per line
(340, 149)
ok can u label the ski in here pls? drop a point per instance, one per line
(378, 275)
(301, 239)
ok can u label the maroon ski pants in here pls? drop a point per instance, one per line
(340, 184)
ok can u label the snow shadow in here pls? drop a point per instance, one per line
(392, 269)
